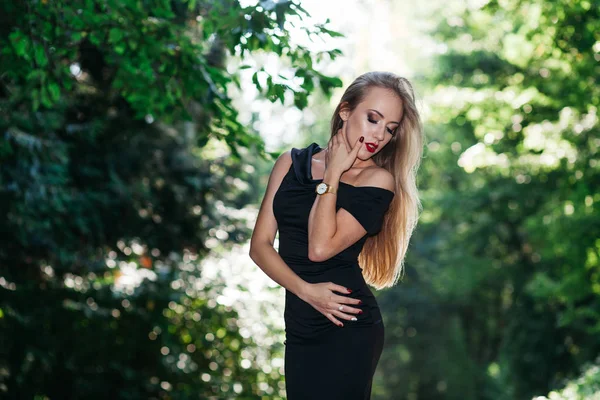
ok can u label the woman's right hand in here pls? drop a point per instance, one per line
(322, 298)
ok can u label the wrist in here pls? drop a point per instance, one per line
(303, 290)
(331, 176)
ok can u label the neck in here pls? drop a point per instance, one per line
(358, 163)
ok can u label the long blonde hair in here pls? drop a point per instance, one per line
(382, 257)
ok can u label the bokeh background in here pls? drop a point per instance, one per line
(137, 140)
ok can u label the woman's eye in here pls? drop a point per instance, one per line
(391, 131)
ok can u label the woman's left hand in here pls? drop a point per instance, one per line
(339, 158)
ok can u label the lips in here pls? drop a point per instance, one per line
(371, 147)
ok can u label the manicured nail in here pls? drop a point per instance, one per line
(360, 311)
(362, 138)
(360, 302)
(353, 318)
(340, 325)
(349, 291)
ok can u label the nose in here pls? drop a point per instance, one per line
(380, 133)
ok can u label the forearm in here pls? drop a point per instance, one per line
(269, 260)
(322, 217)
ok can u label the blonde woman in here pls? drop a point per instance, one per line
(345, 214)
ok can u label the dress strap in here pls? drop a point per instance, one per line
(301, 162)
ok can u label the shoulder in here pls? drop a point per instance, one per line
(282, 164)
(284, 159)
(378, 177)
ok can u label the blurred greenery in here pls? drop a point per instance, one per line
(501, 298)
(124, 167)
(583, 387)
(123, 163)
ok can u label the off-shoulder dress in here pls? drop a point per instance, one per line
(322, 360)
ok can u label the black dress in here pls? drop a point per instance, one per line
(322, 360)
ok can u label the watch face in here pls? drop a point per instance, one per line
(321, 188)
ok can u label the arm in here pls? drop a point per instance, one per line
(263, 235)
(329, 232)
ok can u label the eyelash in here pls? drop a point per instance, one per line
(390, 132)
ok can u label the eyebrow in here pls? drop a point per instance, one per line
(381, 115)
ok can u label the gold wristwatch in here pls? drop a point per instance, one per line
(323, 188)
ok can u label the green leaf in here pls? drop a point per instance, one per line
(40, 55)
(300, 100)
(35, 75)
(77, 36)
(45, 97)
(115, 35)
(54, 90)
(256, 82)
(20, 43)
(120, 48)
(35, 99)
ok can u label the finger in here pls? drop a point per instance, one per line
(347, 317)
(342, 300)
(357, 146)
(345, 309)
(338, 288)
(334, 319)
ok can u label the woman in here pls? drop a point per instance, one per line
(345, 215)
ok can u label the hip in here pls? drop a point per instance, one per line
(332, 332)
(303, 321)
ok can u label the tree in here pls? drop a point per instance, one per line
(506, 263)
(113, 113)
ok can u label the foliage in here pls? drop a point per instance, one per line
(123, 165)
(502, 296)
(584, 387)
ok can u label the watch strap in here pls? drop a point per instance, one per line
(329, 189)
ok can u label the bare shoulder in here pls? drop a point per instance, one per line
(378, 177)
(284, 160)
(280, 169)
(286, 156)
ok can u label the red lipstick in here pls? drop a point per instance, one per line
(371, 147)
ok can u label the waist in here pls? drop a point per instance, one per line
(302, 321)
(298, 255)
(318, 270)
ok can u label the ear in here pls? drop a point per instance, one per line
(344, 111)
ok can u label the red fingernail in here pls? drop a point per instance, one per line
(360, 302)
(360, 311)
(349, 291)
(340, 325)
(362, 138)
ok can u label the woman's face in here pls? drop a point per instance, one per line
(376, 118)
